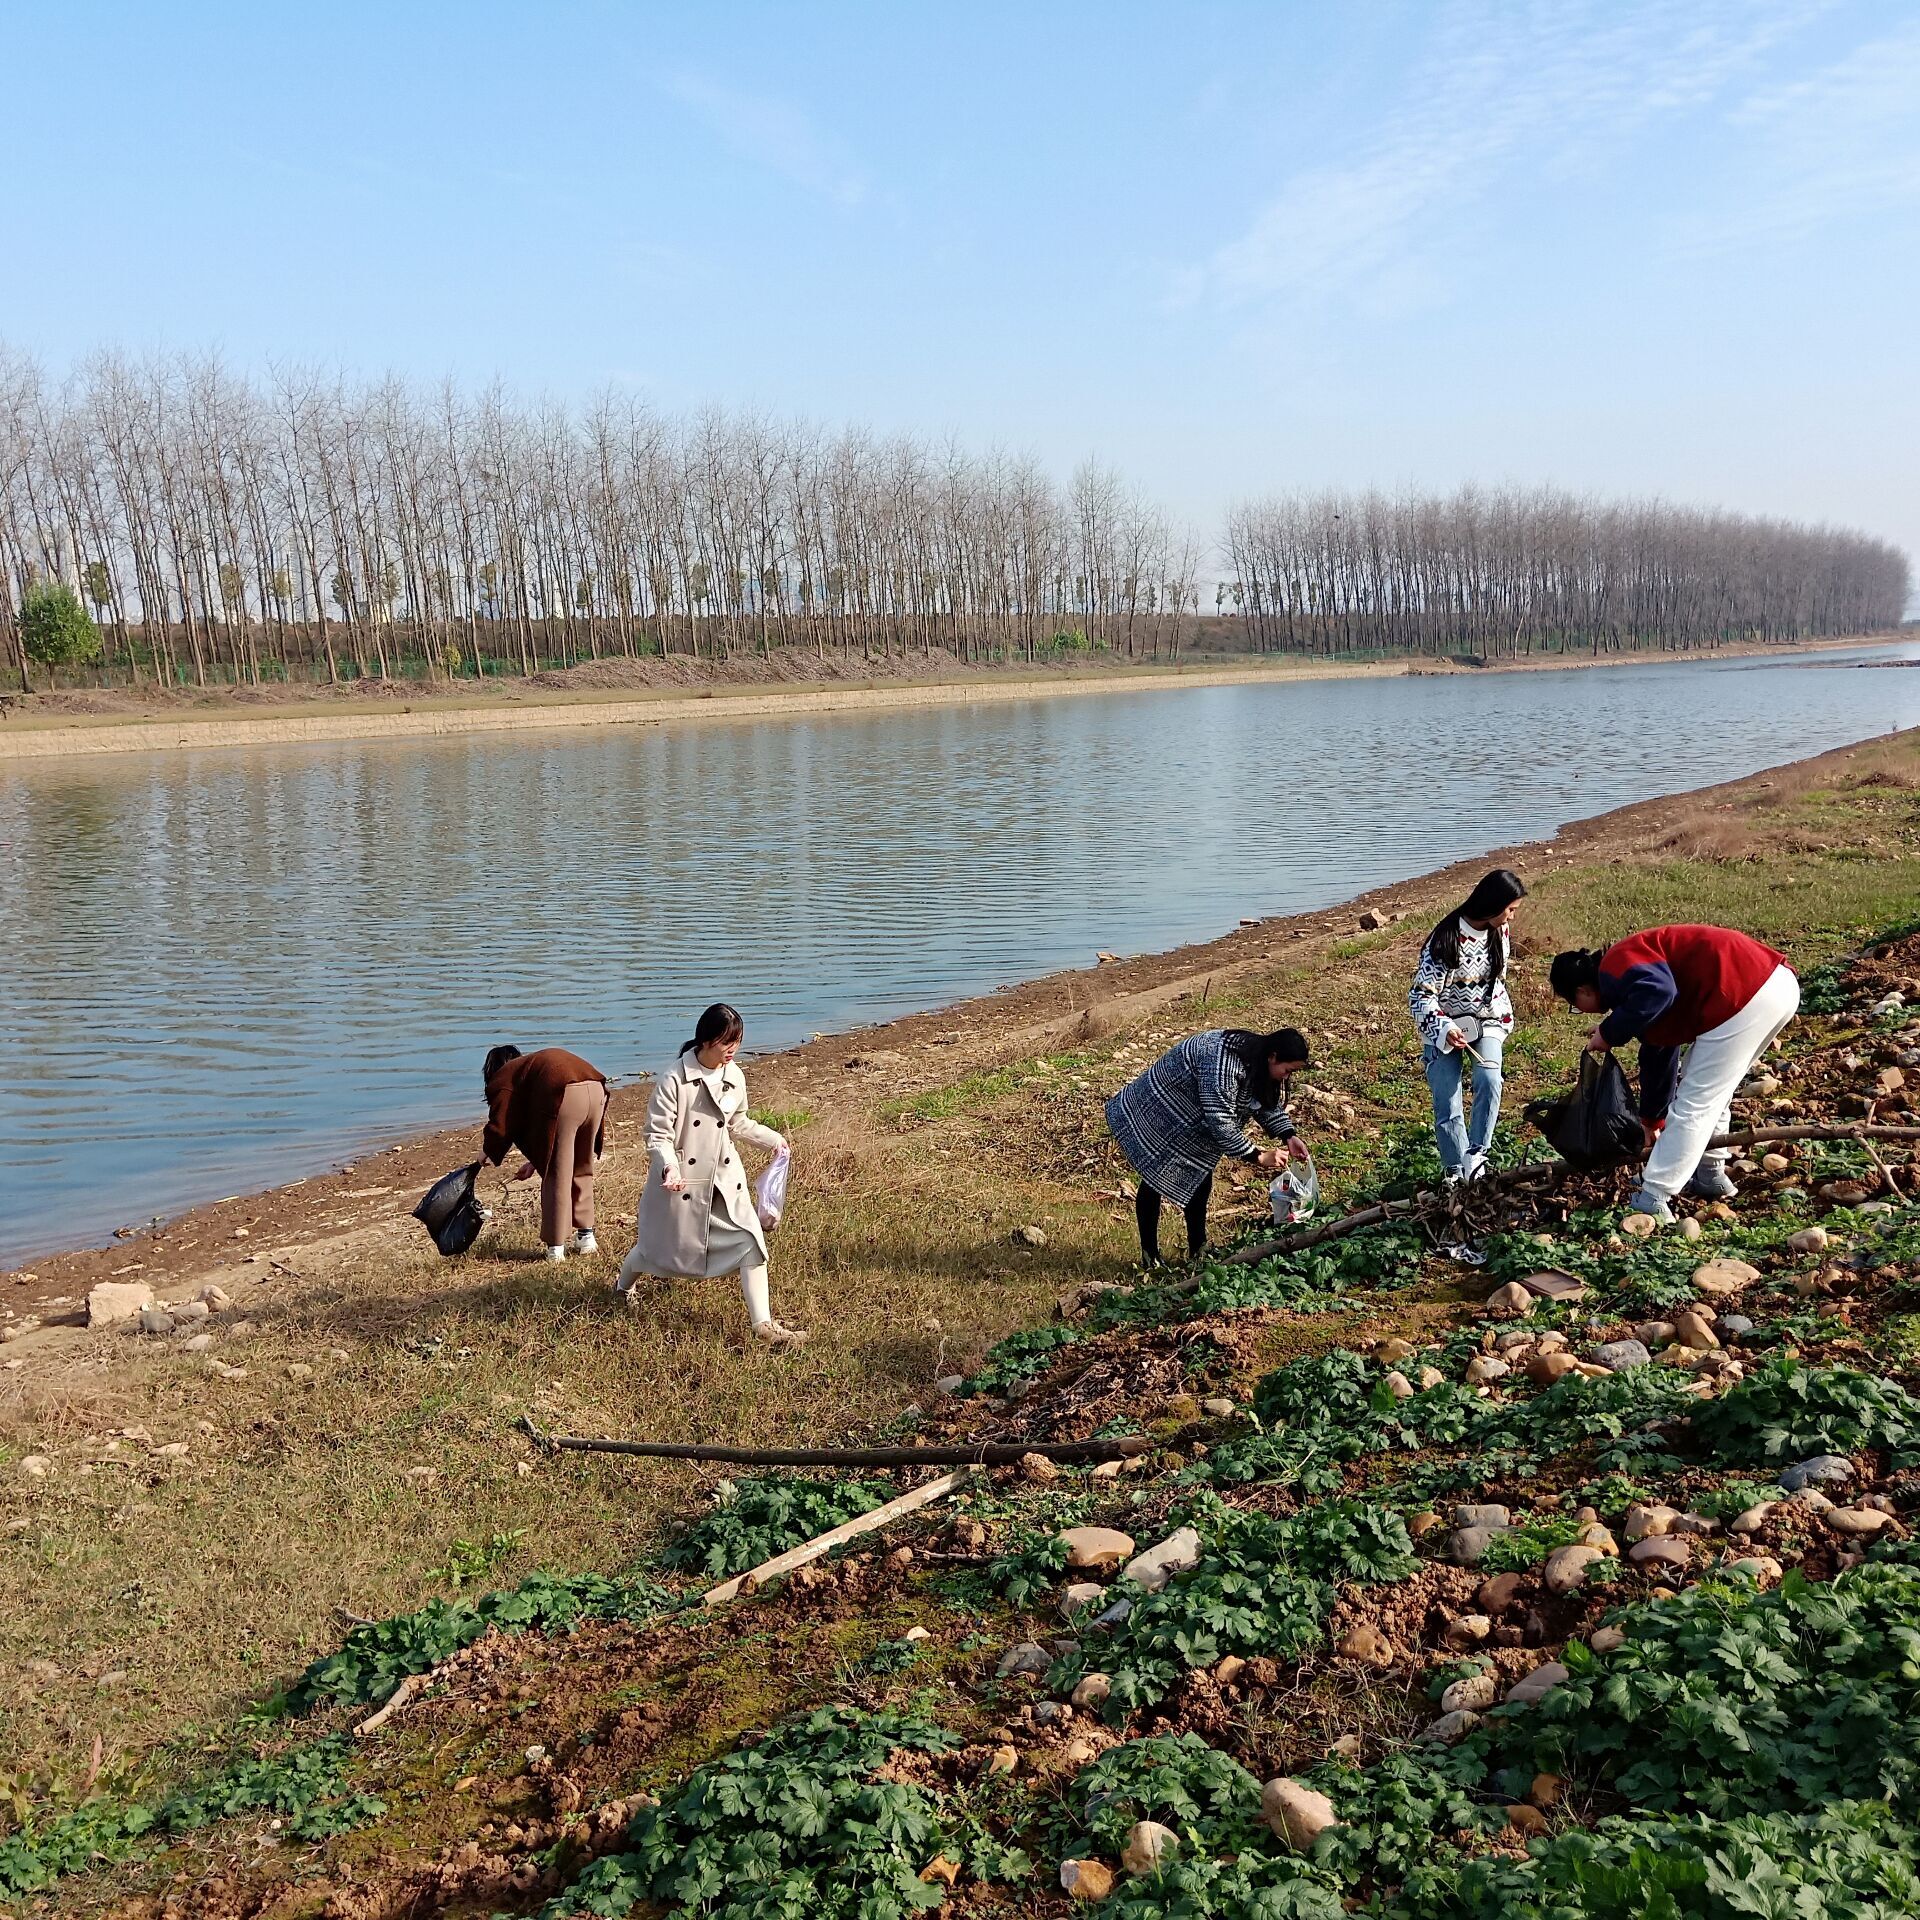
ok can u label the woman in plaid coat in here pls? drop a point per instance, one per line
(1190, 1108)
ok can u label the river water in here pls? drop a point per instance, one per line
(220, 969)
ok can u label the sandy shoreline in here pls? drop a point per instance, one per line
(31, 736)
(1050, 1013)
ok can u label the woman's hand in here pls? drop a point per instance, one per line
(1298, 1148)
(1650, 1131)
(525, 1170)
(673, 1181)
(1272, 1159)
(1597, 1041)
(1455, 1038)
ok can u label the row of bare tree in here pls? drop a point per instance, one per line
(1503, 572)
(223, 529)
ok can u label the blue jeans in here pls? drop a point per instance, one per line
(1447, 1073)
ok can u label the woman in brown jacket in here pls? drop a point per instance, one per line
(553, 1106)
(696, 1216)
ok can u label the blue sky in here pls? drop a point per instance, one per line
(1667, 248)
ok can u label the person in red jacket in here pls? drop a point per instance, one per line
(1720, 996)
(552, 1105)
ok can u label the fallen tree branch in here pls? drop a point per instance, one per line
(413, 1685)
(1422, 1205)
(981, 1453)
(847, 1530)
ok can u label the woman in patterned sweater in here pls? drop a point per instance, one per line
(1190, 1108)
(1461, 1008)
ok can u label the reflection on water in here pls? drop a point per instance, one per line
(223, 968)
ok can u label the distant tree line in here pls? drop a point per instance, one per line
(1504, 572)
(215, 529)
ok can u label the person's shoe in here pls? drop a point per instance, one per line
(585, 1243)
(1475, 1168)
(770, 1333)
(1641, 1201)
(556, 1254)
(1710, 1182)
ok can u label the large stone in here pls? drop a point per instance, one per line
(1082, 1593)
(1391, 1351)
(1721, 1279)
(1661, 1550)
(1466, 1630)
(1752, 1519)
(1545, 1368)
(1096, 1549)
(1605, 1640)
(1297, 1814)
(1489, 1515)
(1619, 1355)
(1638, 1226)
(114, 1301)
(1823, 1470)
(1535, 1686)
(1399, 1385)
(1474, 1694)
(1808, 1240)
(1643, 1522)
(1763, 1567)
(1858, 1522)
(1485, 1368)
(1178, 1553)
(1148, 1845)
(1495, 1596)
(1567, 1567)
(1367, 1644)
(1693, 1327)
(1510, 1302)
(1467, 1546)
(1449, 1727)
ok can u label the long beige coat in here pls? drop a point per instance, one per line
(692, 1134)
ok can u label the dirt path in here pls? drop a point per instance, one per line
(58, 726)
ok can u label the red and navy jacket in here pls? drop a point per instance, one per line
(1668, 986)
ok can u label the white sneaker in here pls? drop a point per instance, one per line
(585, 1243)
(556, 1254)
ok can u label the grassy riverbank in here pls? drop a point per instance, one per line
(183, 1530)
(651, 692)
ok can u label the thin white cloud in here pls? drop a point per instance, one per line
(1549, 90)
(776, 135)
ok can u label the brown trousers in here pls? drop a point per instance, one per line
(566, 1181)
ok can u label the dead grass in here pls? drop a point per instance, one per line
(168, 1594)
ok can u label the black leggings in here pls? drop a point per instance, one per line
(1147, 1209)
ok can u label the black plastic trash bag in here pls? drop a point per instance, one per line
(1598, 1123)
(450, 1212)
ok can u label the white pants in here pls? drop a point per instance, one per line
(1710, 1072)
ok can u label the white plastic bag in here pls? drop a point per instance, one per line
(770, 1190)
(1295, 1194)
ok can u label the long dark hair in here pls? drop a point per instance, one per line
(496, 1059)
(719, 1022)
(1254, 1050)
(1491, 897)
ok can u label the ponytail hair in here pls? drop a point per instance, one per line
(1576, 968)
(1491, 897)
(719, 1023)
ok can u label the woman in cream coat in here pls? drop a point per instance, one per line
(697, 1218)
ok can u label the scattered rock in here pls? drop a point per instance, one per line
(1178, 1553)
(1466, 1630)
(35, 1466)
(1661, 1550)
(1654, 1334)
(1617, 1356)
(1808, 1240)
(1423, 1523)
(1812, 1499)
(299, 1370)
(1037, 1470)
(1545, 1368)
(1429, 1377)
(1775, 1163)
(1028, 1657)
(1003, 1760)
(1606, 1640)
(1449, 1728)
(1722, 1279)
(1485, 1368)
(1474, 1694)
(1092, 1691)
(1638, 1225)
(1082, 1593)
(1366, 1643)
(215, 1297)
(1858, 1522)
(155, 1319)
(114, 1301)
(1688, 1228)
(1643, 1522)
(1693, 1327)
(1510, 1302)
(1297, 1814)
(1546, 1790)
(1399, 1385)
(1733, 1326)
(1763, 1567)
(940, 1871)
(1392, 1351)
(1752, 1519)
(1030, 1236)
(1535, 1686)
(1219, 1407)
(1567, 1567)
(1086, 1879)
(1495, 1596)
(1823, 1470)
(1147, 1845)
